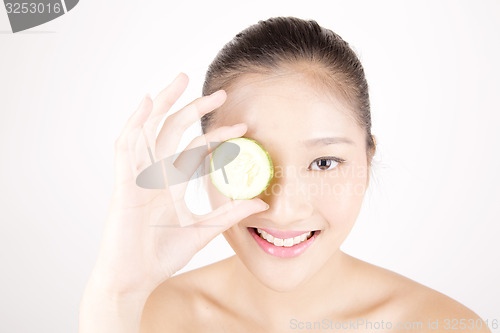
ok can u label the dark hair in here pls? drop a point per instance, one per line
(285, 43)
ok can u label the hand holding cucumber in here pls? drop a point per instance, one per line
(135, 256)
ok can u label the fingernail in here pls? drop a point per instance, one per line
(176, 78)
(266, 207)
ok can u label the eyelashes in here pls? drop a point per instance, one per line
(326, 163)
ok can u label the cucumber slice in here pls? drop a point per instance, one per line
(241, 168)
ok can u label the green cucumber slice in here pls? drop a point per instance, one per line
(242, 171)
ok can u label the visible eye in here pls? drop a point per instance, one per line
(325, 163)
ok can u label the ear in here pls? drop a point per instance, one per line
(370, 158)
(374, 149)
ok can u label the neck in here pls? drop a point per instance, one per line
(329, 292)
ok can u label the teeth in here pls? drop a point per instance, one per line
(270, 238)
(288, 242)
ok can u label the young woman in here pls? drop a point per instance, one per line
(299, 90)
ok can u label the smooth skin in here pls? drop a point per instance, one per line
(132, 287)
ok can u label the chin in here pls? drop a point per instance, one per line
(277, 273)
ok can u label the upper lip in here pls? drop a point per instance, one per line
(284, 234)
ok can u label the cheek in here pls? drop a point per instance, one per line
(338, 195)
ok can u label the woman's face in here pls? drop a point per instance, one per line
(285, 114)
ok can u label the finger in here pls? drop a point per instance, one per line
(190, 159)
(187, 163)
(224, 217)
(136, 120)
(163, 103)
(170, 94)
(144, 148)
(125, 160)
(175, 125)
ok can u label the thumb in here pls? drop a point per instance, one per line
(228, 215)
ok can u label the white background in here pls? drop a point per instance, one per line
(67, 87)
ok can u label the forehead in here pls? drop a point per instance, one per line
(287, 102)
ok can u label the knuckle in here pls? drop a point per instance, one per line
(196, 106)
(172, 121)
(202, 138)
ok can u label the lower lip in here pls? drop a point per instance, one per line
(283, 251)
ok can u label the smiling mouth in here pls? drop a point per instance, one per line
(285, 242)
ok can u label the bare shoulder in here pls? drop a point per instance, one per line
(418, 306)
(440, 312)
(183, 302)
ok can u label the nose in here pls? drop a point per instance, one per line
(289, 205)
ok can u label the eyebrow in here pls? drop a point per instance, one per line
(328, 141)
